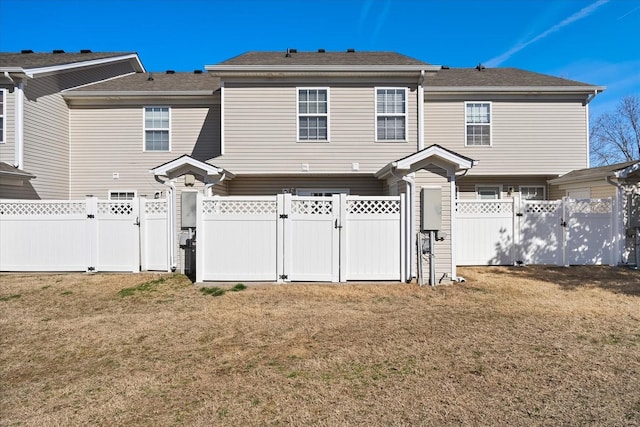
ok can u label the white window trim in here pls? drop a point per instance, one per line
(111, 192)
(544, 190)
(144, 129)
(496, 186)
(328, 114)
(406, 113)
(309, 191)
(490, 123)
(3, 114)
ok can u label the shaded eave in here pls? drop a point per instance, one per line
(137, 94)
(9, 171)
(186, 164)
(620, 171)
(515, 89)
(42, 71)
(422, 158)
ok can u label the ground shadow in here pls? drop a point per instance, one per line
(618, 280)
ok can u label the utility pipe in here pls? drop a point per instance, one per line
(421, 111)
(410, 221)
(19, 125)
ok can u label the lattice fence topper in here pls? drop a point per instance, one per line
(603, 206)
(484, 208)
(373, 206)
(542, 207)
(45, 209)
(241, 207)
(312, 207)
(155, 207)
(115, 208)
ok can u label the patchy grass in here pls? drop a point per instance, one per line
(216, 291)
(511, 346)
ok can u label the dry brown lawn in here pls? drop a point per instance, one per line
(511, 346)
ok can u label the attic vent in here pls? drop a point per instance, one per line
(58, 51)
(351, 50)
(150, 78)
(85, 50)
(197, 71)
(171, 72)
(290, 51)
(480, 67)
(445, 67)
(321, 50)
(26, 51)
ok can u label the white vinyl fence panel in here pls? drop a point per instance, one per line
(510, 231)
(78, 235)
(374, 238)
(237, 238)
(153, 235)
(484, 232)
(300, 238)
(44, 235)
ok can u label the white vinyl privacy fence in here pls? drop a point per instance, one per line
(83, 235)
(295, 238)
(559, 232)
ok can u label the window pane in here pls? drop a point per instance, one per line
(157, 140)
(1, 128)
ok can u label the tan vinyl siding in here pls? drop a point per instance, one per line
(467, 185)
(269, 185)
(538, 137)
(260, 126)
(46, 126)
(110, 140)
(436, 177)
(7, 153)
(603, 191)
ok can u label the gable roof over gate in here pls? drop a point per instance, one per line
(434, 154)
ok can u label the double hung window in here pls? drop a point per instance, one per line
(478, 123)
(531, 192)
(313, 114)
(391, 114)
(157, 129)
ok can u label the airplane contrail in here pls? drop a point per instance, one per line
(494, 62)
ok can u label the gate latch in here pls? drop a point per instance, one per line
(336, 225)
(563, 223)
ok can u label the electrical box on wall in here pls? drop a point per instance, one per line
(430, 208)
(188, 217)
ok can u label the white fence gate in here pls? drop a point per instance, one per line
(81, 235)
(295, 238)
(510, 231)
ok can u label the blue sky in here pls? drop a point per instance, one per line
(594, 41)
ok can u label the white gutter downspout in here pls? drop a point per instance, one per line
(208, 184)
(411, 228)
(19, 125)
(171, 220)
(421, 111)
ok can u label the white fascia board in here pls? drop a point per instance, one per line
(31, 72)
(201, 167)
(316, 68)
(408, 162)
(515, 89)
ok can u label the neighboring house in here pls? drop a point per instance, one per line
(317, 123)
(34, 117)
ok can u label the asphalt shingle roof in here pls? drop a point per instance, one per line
(472, 77)
(593, 173)
(162, 82)
(322, 58)
(39, 60)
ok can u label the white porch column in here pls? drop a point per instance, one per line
(19, 125)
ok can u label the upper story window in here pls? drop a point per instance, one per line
(478, 123)
(313, 114)
(532, 192)
(3, 104)
(391, 114)
(156, 129)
